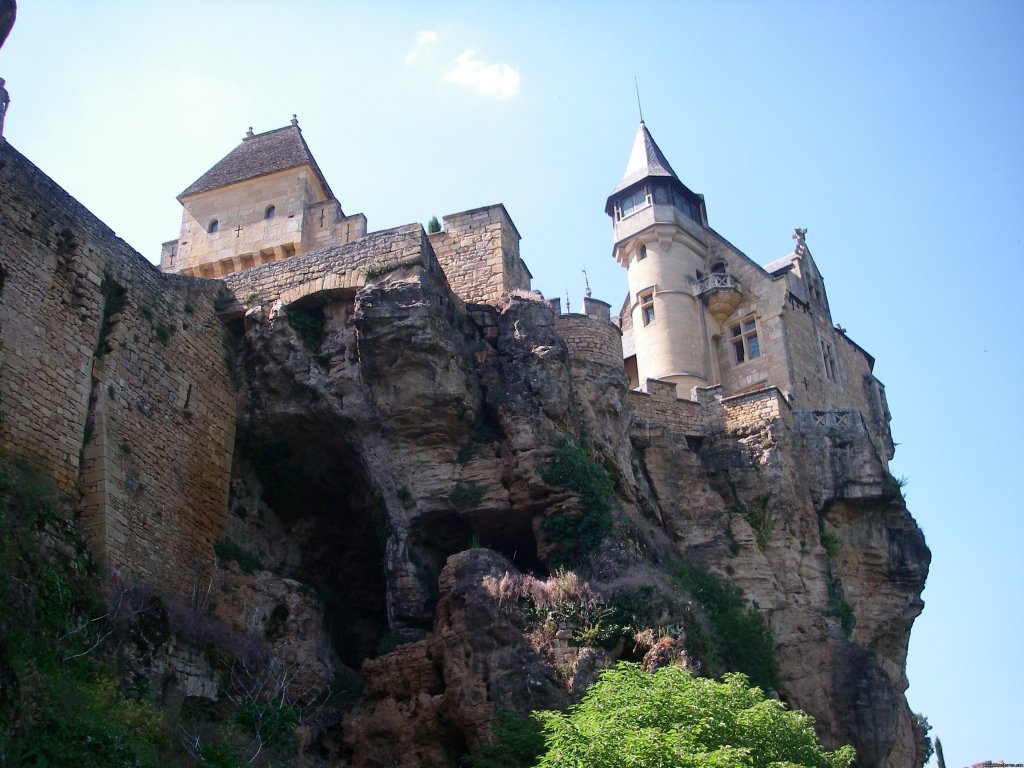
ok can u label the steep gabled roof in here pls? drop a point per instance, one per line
(259, 155)
(645, 160)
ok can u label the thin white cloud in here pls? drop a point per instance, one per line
(498, 81)
(424, 40)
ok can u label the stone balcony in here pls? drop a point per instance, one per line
(720, 293)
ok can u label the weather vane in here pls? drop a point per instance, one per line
(586, 282)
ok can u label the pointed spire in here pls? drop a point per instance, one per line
(645, 160)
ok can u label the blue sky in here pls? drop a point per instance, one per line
(892, 131)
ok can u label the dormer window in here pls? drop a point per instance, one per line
(269, 213)
(213, 226)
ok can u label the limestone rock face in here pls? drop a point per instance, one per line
(390, 466)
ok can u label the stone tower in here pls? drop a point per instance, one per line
(659, 230)
(266, 200)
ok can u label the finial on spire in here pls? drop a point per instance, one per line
(295, 120)
(639, 108)
(586, 282)
(249, 134)
(568, 304)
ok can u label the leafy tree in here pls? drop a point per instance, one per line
(673, 720)
(433, 226)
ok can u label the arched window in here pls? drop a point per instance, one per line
(641, 254)
(213, 227)
(269, 213)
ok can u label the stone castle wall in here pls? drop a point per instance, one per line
(341, 267)
(479, 252)
(590, 340)
(131, 409)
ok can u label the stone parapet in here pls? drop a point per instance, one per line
(479, 252)
(658, 411)
(336, 268)
(590, 340)
(754, 409)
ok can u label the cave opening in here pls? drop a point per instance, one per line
(321, 494)
(435, 537)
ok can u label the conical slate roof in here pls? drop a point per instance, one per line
(645, 160)
(259, 155)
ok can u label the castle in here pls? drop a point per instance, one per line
(359, 406)
(699, 314)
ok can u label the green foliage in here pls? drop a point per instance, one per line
(465, 455)
(228, 551)
(830, 543)
(309, 324)
(838, 606)
(164, 331)
(114, 299)
(220, 756)
(518, 743)
(222, 300)
(271, 721)
(71, 709)
(576, 534)
(671, 719)
(741, 640)
(923, 728)
(433, 226)
(466, 495)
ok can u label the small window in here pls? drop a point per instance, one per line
(828, 358)
(718, 268)
(745, 345)
(647, 307)
(269, 213)
(641, 253)
(213, 226)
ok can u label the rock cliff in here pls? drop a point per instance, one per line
(397, 458)
(437, 510)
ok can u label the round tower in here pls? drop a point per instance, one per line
(658, 227)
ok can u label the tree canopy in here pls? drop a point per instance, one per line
(672, 719)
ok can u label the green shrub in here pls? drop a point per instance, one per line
(309, 324)
(670, 718)
(228, 551)
(518, 742)
(830, 543)
(741, 640)
(72, 710)
(466, 495)
(576, 534)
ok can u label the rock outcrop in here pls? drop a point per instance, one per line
(388, 459)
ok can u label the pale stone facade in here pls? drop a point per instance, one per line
(700, 313)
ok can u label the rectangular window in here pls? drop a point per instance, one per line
(743, 336)
(828, 358)
(647, 307)
(630, 205)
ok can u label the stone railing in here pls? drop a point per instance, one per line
(834, 419)
(716, 281)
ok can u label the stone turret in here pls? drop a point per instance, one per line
(658, 229)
